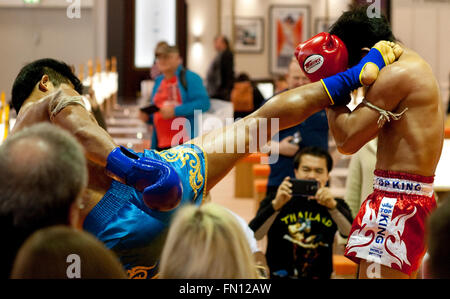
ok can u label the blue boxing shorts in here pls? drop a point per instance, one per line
(123, 222)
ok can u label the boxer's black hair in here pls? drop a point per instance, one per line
(358, 30)
(57, 71)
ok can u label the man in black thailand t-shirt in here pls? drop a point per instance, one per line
(301, 230)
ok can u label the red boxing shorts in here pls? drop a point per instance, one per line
(390, 227)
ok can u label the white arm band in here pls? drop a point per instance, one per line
(385, 116)
(59, 102)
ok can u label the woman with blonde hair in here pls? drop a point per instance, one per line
(206, 242)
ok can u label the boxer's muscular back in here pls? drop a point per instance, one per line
(414, 143)
(31, 114)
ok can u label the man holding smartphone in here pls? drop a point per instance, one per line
(301, 220)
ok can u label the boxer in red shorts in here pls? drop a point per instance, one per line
(389, 229)
(403, 108)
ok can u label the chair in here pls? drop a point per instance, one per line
(344, 268)
(244, 175)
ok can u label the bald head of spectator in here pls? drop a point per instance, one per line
(42, 178)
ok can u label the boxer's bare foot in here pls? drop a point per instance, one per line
(391, 52)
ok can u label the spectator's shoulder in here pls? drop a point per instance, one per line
(191, 75)
(158, 80)
(228, 54)
(159, 77)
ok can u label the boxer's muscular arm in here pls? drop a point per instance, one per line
(294, 106)
(289, 108)
(352, 130)
(96, 142)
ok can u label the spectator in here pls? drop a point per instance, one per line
(281, 84)
(47, 255)
(220, 77)
(178, 93)
(43, 174)
(245, 96)
(312, 132)
(155, 72)
(301, 230)
(258, 255)
(206, 242)
(438, 241)
(360, 176)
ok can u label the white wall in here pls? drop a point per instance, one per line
(257, 65)
(421, 24)
(28, 33)
(45, 31)
(202, 23)
(424, 26)
(47, 3)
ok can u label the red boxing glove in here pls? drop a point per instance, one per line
(322, 56)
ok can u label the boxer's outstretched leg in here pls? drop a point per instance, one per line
(391, 52)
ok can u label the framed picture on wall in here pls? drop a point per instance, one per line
(323, 24)
(289, 26)
(249, 35)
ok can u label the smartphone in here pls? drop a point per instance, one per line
(304, 187)
(150, 109)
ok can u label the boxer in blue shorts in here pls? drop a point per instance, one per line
(132, 196)
(126, 224)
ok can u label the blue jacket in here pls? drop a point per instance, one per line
(194, 98)
(314, 132)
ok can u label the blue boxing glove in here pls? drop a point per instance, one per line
(341, 85)
(158, 181)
